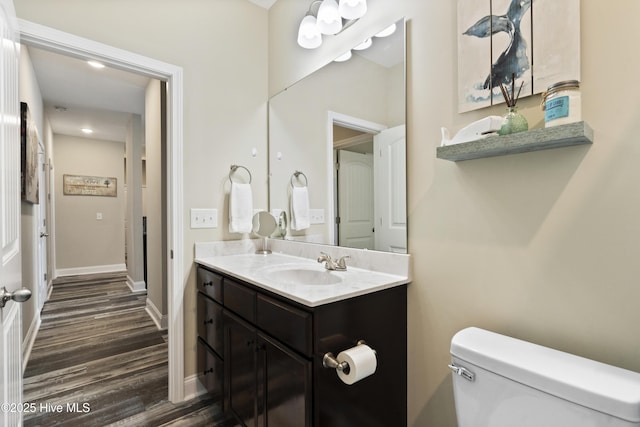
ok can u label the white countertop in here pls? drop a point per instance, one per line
(258, 269)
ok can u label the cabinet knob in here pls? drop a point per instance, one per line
(208, 321)
(208, 371)
(208, 283)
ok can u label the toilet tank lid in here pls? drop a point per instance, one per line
(605, 388)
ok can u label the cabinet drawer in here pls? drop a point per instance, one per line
(210, 368)
(210, 283)
(210, 327)
(286, 323)
(240, 299)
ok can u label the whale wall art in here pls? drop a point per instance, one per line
(537, 41)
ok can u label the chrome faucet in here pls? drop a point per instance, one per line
(330, 264)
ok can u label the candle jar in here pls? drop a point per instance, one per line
(513, 122)
(561, 103)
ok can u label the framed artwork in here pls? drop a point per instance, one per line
(537, 41)
(79, 185)
(28, 156)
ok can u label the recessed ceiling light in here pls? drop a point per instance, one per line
(95, 64)
(87, 131)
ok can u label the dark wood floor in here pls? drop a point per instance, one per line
(100, 357)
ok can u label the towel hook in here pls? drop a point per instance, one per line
(296, 175)
(236, 167)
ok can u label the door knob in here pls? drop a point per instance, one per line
(44, 234)
(19, 295)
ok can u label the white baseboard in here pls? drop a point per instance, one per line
(193, 387)
(95, 269)
(140, 286)
(161, 321)
(29, 339)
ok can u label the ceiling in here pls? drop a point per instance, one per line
(76, 95)
(264, 3)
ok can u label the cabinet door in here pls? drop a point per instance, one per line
(210, 325)
(284, 386)
(210, 369)
(240, 369)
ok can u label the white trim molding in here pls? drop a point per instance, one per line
(193, 387)
(68, 44)
(136, 287)
(92, 269)
(158, 318)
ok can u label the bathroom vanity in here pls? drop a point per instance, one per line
(265, 323)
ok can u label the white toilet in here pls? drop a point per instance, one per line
(500, 381)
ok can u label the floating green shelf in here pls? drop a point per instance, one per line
(538, 139)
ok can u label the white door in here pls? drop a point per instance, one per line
(391, 195)
(355, 200)
(10, 257)
(41, 221)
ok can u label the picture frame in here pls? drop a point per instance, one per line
(28, 156)
(81, 185)
(535, 43)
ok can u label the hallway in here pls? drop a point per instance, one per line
(99, 360)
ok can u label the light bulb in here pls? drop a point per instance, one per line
(329, 19)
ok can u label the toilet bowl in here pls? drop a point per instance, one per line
(500, 381)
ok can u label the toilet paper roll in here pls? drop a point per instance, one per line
(362, 363)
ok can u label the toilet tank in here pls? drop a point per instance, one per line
(506, 382)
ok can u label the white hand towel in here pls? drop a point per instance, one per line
(300, 208)
(240, 208)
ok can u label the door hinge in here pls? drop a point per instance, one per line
(45, 277)
(337, 220)
(171, 253)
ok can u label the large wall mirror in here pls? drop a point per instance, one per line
(341, 133)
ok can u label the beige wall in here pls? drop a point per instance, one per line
(29, 92)
(81, 239)
(156, 261)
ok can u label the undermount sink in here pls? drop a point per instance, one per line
(300, 275)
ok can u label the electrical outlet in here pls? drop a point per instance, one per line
(99, 216)
(316, 216)
(204, 218)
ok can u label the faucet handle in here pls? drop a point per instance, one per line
(324, 257)
(341, 262)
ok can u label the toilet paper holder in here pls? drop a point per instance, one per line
(330, 361)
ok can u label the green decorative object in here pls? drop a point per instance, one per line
(514, 122)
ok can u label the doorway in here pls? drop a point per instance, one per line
(33, 34)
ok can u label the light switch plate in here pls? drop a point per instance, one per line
(316, 216)
(204, 218)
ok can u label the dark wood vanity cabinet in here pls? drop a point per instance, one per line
(210, 331)
(273, 349)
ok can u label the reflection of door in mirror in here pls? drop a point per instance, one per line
(354, 189)
(370, 188)
(391, 190)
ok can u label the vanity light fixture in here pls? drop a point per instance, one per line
(387, 31)
(330, 18)
(364, 45)
(344, 57)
